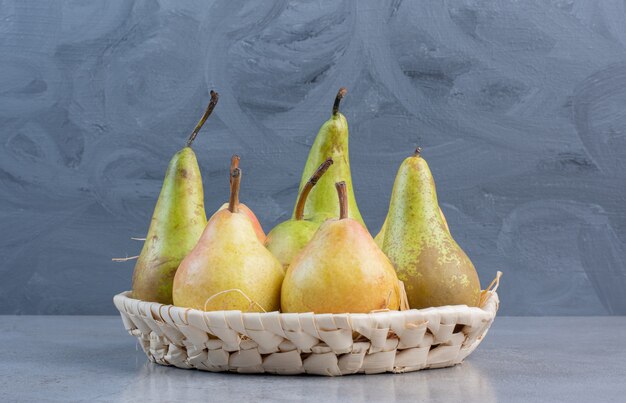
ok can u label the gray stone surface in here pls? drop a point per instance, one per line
(519, 107)
(87, 358)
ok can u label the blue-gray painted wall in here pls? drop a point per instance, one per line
(520, 108)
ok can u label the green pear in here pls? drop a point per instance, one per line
(433, 267)
(177, 222)
(229, 268)
(340, 270)
(288, 238)
(331, 141)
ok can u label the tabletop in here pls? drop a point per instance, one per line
(92, 358)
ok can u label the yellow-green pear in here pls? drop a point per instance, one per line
(177, 222)
(434, 269)
(288, 238)
(340, 270)
(331, 141)
(229, 268)
(380, 237)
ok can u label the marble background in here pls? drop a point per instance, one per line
(520, 108)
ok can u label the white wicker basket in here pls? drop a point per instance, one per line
(295, 343)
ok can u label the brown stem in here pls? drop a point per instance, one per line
(205, 116)
(309, 185)
(418, 151)
(340, 94)
(234, 163)
(343, 199)
(233, 202)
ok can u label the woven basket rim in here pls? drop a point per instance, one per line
(125, 298)
(487, 295)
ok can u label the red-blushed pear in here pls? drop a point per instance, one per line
(288, 238)
(340, 270)
(177, 222)
(433, 267)
(234, 163)
(229, 268)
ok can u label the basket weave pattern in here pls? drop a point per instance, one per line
(295, 343)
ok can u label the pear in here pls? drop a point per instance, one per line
(229, 268)
(177, 222)
(331, 141)
(258, 229)
(340, 270)
(288, 238)
(380, 237)
(434, 269)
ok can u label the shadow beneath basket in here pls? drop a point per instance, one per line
(463, 382)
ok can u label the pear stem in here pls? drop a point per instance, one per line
(418, 151)
(342, 92)
(233, 202)
(234, 163)
(299, 215)
(205, 116)
(343, 199)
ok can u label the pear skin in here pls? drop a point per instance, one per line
(340, 270)
(434, 269)
(288, 238)
(331, 141)
(177, 223)
(258, 229)
(380, 237)
(229, 268)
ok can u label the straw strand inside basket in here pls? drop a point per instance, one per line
(250, 300)
(492, 288)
